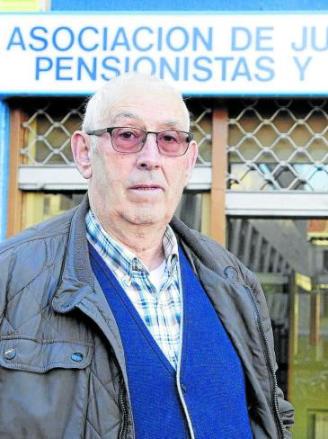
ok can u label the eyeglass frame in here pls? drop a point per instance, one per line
(109, 130)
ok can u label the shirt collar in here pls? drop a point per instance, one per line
(123, 258)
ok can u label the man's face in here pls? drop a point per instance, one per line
(144, 187)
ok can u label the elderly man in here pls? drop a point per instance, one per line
(118, 321)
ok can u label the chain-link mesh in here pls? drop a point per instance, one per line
(278, 145)
(48, 130)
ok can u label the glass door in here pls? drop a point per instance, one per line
(308, 360)
(290, 258)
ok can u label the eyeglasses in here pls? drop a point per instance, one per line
(128, 140)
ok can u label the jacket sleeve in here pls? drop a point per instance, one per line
(286, 409)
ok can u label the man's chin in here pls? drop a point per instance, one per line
(150, 216)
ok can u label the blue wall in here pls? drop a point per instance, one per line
(190, 5)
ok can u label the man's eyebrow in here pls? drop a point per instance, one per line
(170, 123)
(126, 115)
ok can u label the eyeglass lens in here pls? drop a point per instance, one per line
(170, 142)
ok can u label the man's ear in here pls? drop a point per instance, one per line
(81, 149)
(192, 156)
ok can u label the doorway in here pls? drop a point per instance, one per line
(290, 258)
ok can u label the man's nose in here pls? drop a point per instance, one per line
(149, 157)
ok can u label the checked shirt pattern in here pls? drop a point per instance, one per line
(159, 308)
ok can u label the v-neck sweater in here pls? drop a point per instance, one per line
(206, 396)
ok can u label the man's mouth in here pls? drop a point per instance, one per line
(146, 187)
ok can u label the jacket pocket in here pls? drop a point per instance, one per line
(35, 356)
(44, 388)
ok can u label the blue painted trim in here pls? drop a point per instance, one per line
(208, 94)
(4, 167)
(238, 12)
(195, 5)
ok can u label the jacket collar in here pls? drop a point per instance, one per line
(77, 279)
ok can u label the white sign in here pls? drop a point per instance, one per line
(216, 54)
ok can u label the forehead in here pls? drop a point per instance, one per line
(151, 106)
(141, 118)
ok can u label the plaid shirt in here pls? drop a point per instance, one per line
(160, 309)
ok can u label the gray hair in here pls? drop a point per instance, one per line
(100, 103)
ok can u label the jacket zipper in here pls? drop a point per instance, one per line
(124, 410)
(122, 394)
(270, 367)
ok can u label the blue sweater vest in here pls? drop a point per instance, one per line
(211, 375)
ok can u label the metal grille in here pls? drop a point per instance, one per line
(278, 145)
(48, 130)
(201, 126)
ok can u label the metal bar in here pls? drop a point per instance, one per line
(235, 235)
(277, 204)
(315, 318)
(247, 248)
(34, 178)
(15, 202)
(4, 166)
